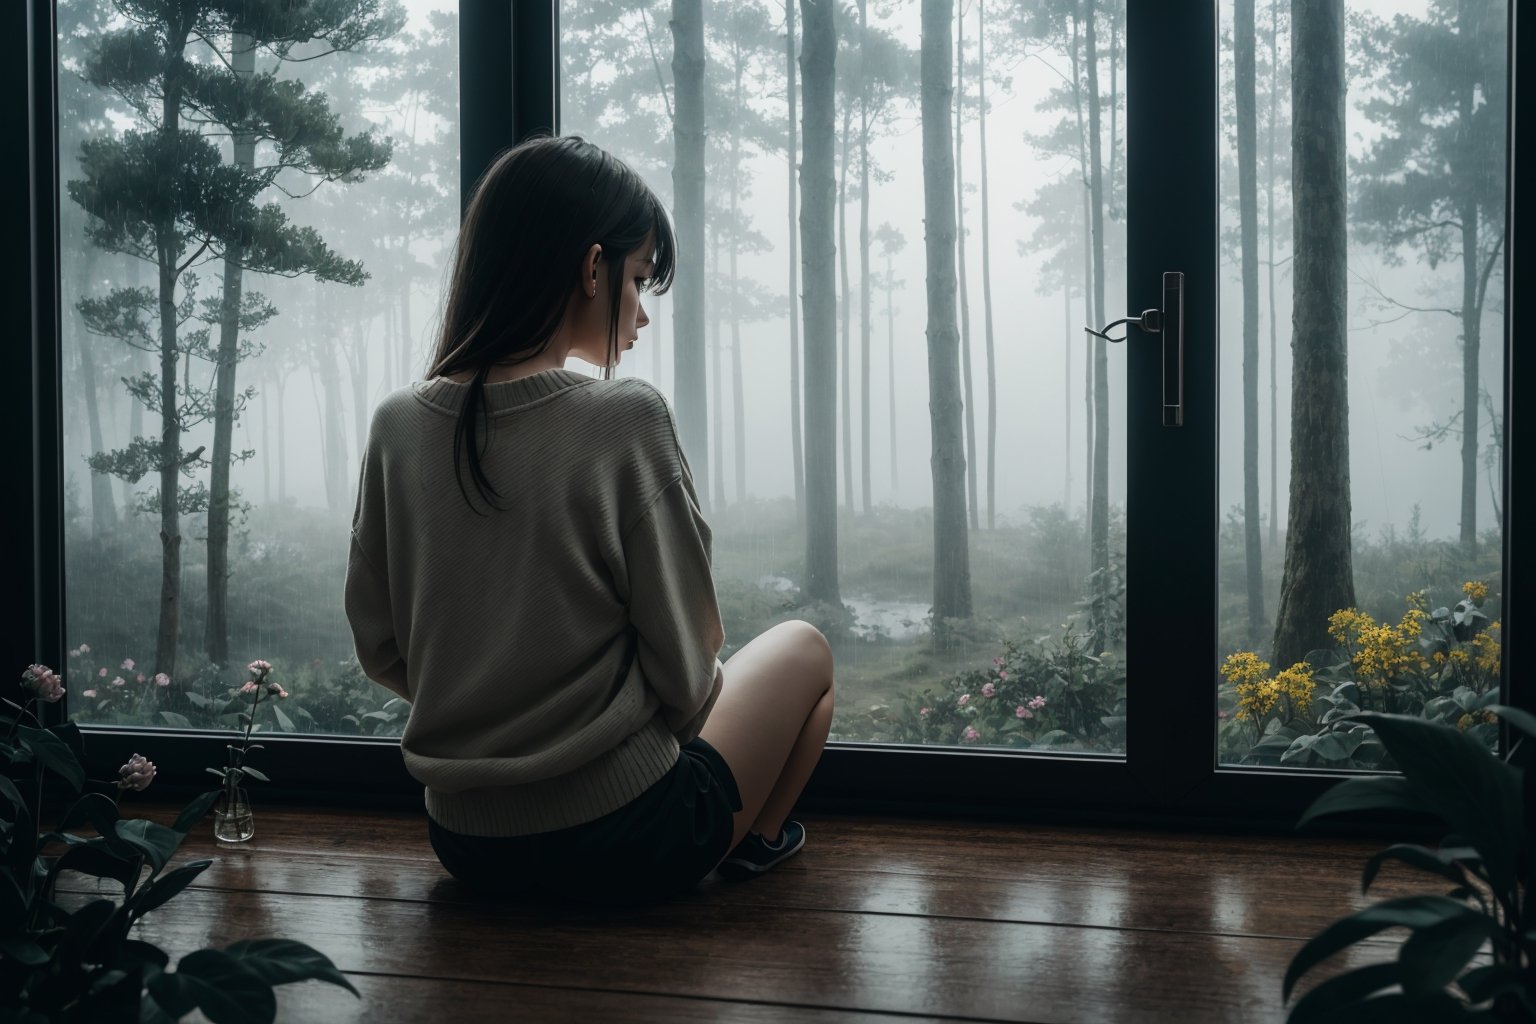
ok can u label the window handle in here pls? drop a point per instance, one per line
(1169, 322)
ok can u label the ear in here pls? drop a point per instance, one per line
(588, 282)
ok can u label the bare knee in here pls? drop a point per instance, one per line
(814, 650)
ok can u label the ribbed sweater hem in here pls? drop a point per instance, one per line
(599, 787)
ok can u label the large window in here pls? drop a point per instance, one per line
(1361, 470)
(253, 228)
(1020, 644)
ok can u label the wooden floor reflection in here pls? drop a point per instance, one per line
(876, 919)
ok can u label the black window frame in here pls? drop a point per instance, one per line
(1170, 777)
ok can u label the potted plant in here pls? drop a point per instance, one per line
(1488, 856)
(82, 965)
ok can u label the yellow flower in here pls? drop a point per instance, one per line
(1298, 684)
(1419, 600)
(1476, 591)
(1346, 625)
(1463, 722)
(1244, 667)
(1486, 650)
(1382, 653)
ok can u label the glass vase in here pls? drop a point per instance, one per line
(232, 820)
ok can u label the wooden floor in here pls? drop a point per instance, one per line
(875, 920)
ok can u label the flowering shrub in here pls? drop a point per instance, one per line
(1042, 693)
(1441, 665)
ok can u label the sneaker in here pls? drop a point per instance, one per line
(754, 854)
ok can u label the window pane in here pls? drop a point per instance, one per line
(1026, 667)
(1360, 450)
(310, 271)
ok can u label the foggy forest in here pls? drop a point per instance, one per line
(895, 220)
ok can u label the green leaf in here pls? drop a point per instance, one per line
(167, 886)
(280, 961)
(1440, 862)
(1387, 792)
(99, 863)
(195, 810)
(1483, 983)
(1407, 912)
(53, 753)
(24, 952)
(1322, 1002)
(1432, 957)
(255, 773)
(1474, 793)
(13, 902)
(198, 700)
(101, 812)
(10, 792)
(218, 984)
(283, 721)
(172, 718)
(153, 839)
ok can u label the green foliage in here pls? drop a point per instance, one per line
(1487, 856)
(82, 965)
(1441, 665)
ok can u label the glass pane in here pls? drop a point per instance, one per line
(1026, 665)
(1361, 542)
(310, 272)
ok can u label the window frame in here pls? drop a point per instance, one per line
(508, 79)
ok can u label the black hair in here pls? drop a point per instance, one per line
(531, 218)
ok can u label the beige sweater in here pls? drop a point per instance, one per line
(555, 654)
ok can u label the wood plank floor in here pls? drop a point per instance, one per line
(877, 919)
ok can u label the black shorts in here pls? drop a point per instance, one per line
(657, 846)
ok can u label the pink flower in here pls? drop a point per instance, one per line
(1003, 674)
(136, 774)
(963, 698)
(89, 693)
(127, 664)
(119, 681)
(161, 679)
(996, 662)
(102, 672)
(989, 690)
(274, 688)
(1023, 712)
(249, 687)
(971, 735)
(1037, 702)
(925, 712)
(139, 678)
(44, 682)
(259, 669)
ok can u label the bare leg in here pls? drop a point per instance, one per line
(797, 770)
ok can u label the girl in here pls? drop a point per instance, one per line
(557, 633)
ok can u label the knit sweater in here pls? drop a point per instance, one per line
(555, 652)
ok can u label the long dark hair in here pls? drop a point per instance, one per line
(532, 217)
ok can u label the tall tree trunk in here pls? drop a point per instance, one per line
(242, 62)
(1319, 577)
(1269, 220)
(281, 383)
(1100, 534)
(986, 267)
(890, 362)
(103, 508)
(334, 448)
(864, 291)
(951, 541)
(818, 55)
(1471, 303)
(716, 393)
(1244, 40)
(1066, 391)
(794, 269)
(688, 389)
(357, 366)
(266, 448)
(845, 310)
(1088, 311)
(738, 401)
(971, 459)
